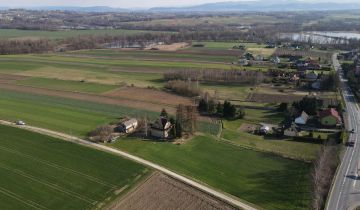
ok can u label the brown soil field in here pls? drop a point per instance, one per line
(134, 103)
(161, 192)
(171, 47)
(8, 78)
(149, 95)
(273, 98)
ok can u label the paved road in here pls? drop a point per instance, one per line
(345, 193)
(217, 194)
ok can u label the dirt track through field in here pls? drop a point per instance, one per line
(121, 101)
(161, 192)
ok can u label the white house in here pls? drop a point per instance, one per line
(302, 119)
(129, 126)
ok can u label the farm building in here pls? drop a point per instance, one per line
(292, 131)
(329, 117)
(302, 119)
(161, 128)
(128, 126)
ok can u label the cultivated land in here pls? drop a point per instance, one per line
(61, 34)
(50, 178)
(74, 92)
(256, 181)
(163, 192)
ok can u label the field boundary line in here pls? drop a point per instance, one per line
(54, 165)
(218, 194)
(21, 199)
(49, 184)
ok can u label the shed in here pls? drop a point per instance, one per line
(292, 131)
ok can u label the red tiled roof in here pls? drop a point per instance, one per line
(330, 112)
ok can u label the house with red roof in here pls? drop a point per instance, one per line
(329, 117)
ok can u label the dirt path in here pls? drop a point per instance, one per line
(220, 195)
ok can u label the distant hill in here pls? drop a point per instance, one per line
(263, 5)
(81, 9)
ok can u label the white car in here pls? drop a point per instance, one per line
(20, 122)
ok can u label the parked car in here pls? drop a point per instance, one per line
(350, 143)
(352, 131)
(20, 122)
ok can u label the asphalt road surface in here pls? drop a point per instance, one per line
(345, 193)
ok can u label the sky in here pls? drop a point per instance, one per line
(121, 3)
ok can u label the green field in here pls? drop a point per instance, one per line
(39, 172)
(181, 55)
(268, 181)
(70, 116)
(66, 85)
(31, 34)
(282, 146)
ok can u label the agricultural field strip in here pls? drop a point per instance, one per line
(48, 184)
(89, 97)
(118, 63)
(141, 59)
(179, 177)
(59, 167)
(21, 199)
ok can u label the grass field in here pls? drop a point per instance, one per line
(39, 172)
(268, 181)
(70, 116)
(181, 55)
(67, 85)
(285, 147)
(31, 34)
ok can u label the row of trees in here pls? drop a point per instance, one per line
(210, 75)
(185, 88)
(25, 46)
(225, 109)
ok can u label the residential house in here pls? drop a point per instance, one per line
(329, 117)
(302, 119)
(161, 128)
(243, 62)
(292, 131)
(259, 58)
(128, 126)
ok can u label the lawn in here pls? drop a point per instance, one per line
(268, 181)
(281, 146)
(61, 34)
(39, 172)
(66, 85)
